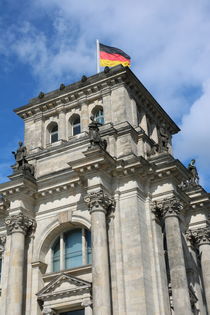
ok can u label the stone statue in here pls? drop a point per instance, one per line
(194, 173)
(20, 155)
(164, 138)
(21, 161)
(94, 135)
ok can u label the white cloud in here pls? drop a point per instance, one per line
(194, 140)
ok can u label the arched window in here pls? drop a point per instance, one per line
(71, 249)
(53, 132)
(76, 128)
(99, 115)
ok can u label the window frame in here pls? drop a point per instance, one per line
(75, 125)
(85, 246)
(54, 134)
(99, 115)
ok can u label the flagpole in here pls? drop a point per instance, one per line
(97, 56)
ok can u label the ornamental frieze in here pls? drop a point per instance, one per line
(167, 207)
(19, 223)
(98, 200)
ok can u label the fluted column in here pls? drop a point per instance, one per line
(17, 225)
(202, 239)
(169, 210)
(99, 203)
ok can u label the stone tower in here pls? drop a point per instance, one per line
(98, 217)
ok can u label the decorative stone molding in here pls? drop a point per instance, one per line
(48, 311)
(2, 244)
(19, 223)
(73, 286)
(86, 303)
(167, 207)
(99, 200)
(199, 236)
(4, 204)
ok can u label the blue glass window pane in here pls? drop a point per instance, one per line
(54, 137)
(56, 256)
(78, 312)
(76, 126)
(88, 242)
(76, 129)
(73, 249)
(54, 134)
(99, 116)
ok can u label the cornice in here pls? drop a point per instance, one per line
(60, 188)
(94, 87)
(94, 159)
(21, 185)
(74, 94)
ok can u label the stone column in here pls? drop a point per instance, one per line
(202, 238)
(194, 273)
(169, 209)
(17, 225)
(99, 203)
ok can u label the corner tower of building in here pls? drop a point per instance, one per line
(98, 216)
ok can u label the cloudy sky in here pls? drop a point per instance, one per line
(44, 43)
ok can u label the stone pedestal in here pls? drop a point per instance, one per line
(17, 226)
(169, 210)
(98, 204)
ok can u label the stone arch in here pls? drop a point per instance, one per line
(54, 229)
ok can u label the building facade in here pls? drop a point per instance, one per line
(98, 217)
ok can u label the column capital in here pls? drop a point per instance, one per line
(171, 206)
(99, 201)
(19, 223)
(199, 236)
(2, 244)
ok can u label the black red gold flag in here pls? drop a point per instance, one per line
(111, 56)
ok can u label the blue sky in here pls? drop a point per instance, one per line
(46, 43)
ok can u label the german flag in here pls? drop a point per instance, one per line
(111, 56)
